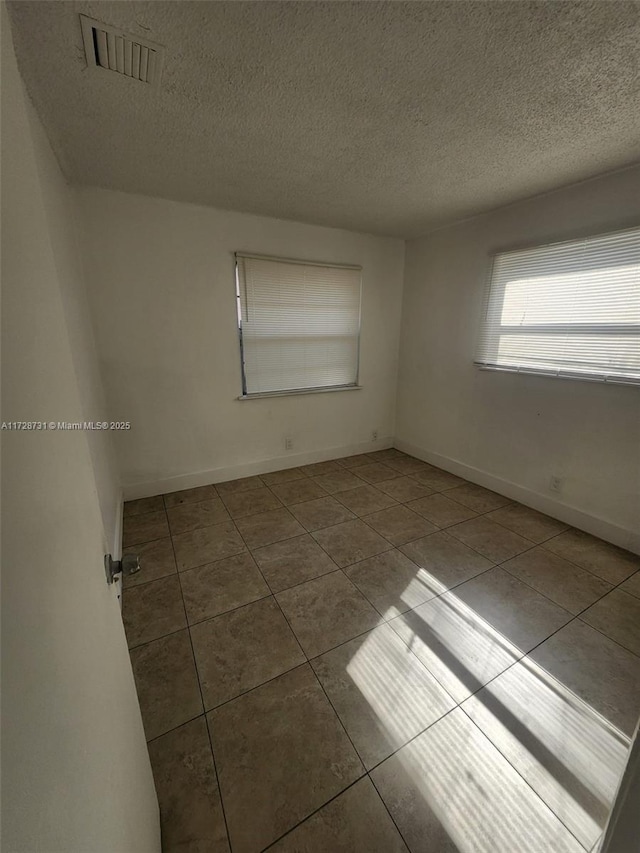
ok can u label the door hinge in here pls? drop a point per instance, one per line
(128, 565)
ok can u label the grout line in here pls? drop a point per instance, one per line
(612, 639)
(215, 496)
(283, 506)
(197, 674)
(338, 718)
(278, 605)
(420, 733)
(397, 615)
(131, 586)
(315, 811)
(175, 728)
(518, 660)
(146, 541)
(161, 637)
(307, 580)
(359, 518)
(388, 810)
(385, 622)
(397, 547)
(190, 625)
(255, 687)
(526, 781)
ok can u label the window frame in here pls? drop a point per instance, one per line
(490, 296)
(256, 395)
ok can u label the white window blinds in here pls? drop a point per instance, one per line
(299, 324)
(567, 309)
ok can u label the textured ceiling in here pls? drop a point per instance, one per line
(388, 117)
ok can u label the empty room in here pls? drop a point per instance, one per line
(320, 426)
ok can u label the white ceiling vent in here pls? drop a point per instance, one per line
(109, 49)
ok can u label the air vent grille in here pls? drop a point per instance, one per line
(110, 49)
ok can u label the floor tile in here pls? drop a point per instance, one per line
(167, 684)
(458, 646)
(293, 561)
(317, 469)
(251, 502)
(563, 582)
(350, 542)
(365, 499)
(527, 522)
(324, 512)
(191, 516)
(376, 472)
(217, 587)
(388, 454)
(190, 809)
(570, 755)
(407, 464)
(268, 527)
(298, 491)
(137, 529)
(233, 487)
(355, 461)
(441, 510)
(618, 616)
(447, 560)
(274, 478)
(356, 820)
(143, 506)
(153, 610)
(493, 541)
(519, 613)
(207, 545)
(451, 791)
(399, 524)
(394, 651)
(157, 560)
(477, 498)
(339, 481)
(281, 753)
(392, 582)
(597, 669)
(326, 611)
(436, 478)
(188, 496)
(381, 692)
(632, 585)
(403, 489)
(603, 559)
(242, 649)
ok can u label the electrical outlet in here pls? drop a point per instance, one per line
(374, 435)
(555, 484)
(288, 443)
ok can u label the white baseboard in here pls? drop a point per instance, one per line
(600, 527)
(248, 469)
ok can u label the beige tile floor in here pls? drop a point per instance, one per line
(370, 654)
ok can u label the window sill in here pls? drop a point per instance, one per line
(299, 391)
(551, 374)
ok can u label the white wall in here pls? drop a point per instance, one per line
(63, 234)
(162, 290)
(506, 431)
(76, 774)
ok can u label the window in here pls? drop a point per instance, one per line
(567, 309)
(299, 325)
